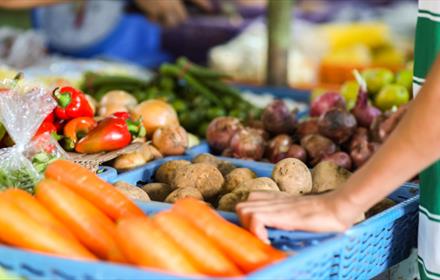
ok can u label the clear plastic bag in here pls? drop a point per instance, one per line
(22, 110)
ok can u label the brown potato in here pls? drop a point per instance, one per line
(206, 158)
(257, 184)
(129, 161)
(230, 200)
(327, 176)
(292, 176)
(202, 176)
(236, 177)
(167, 171)
(380, 206)
(157, 191)
(183, 193)
(131, 191)
(226, 167)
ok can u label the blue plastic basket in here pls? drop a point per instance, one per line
(369, 248)
(303, 264)
(107, 173)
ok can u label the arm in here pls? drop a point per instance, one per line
(26, 4)
(410, 148)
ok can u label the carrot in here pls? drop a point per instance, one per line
(92, 227)
(246, 250)
(197, 246)
(144, 244)
(87, 184)
(19, 229)
(32, 207)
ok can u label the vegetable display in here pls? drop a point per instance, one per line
(198, 94)
(75, 214)
(345, 128)
(205, 178)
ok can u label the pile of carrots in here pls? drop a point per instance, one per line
(75, 214)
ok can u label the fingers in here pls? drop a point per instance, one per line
(265, 195)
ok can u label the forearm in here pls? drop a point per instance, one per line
(413, 145)
(26, 4)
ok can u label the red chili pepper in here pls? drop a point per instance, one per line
(50, 118)
(76, 129)
(72, 103)
(45, 127)
(111, 134)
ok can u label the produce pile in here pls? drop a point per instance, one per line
(345, 127)
(75, 214)
(224, 185)
(73, 123)
(198, 94)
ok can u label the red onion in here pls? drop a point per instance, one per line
(317, 147)
(307, 127)
(340, 158)
(364, 112)
(338, 125)
(220, 132)
(296, 151)
(278, 119)
(247, 143)
(326, 102)
(278, 147)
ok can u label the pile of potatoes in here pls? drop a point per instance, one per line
(224, 185)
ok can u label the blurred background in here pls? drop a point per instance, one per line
(329, 38)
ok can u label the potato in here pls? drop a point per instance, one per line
(380, 206)
(167, 171)
(109, 109)
(225, 167)
(157, 191)
(129, 161)
(292, 176)
(119, 97)
(183, 193)
(236, 177)
(230, 200)
(327, 175)
(206, 158)
(202, 176)
(257, 184)
(131, 191)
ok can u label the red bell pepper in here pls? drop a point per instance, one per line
(112, 133)
(46, 127)
(76, 129)
(72, 103)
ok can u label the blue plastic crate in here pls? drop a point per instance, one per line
(107, 173)
(300, 265)
(370, 247)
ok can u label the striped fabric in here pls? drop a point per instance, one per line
(426, 49)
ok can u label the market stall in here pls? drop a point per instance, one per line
(110, 170)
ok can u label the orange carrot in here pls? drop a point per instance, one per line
(87, 184)
(32, 207)
(144, 244)
(92, 227)
(246, 250)
(19, 229)
(197, 246)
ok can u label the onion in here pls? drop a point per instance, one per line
(247, 143)
(278, 119)
(220, 132)
(340, 158)
(278, 147)
(307, 127)
(326, 102)
(170, 140)
(338, 125)
(296, 151)
(317, 147)
(155, 113)
(119, 97)
(364, 112)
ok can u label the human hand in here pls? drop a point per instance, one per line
(169, 12)
(328, 212)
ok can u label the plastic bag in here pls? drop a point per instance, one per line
(22, 110)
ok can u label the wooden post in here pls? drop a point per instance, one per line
(278, 33)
